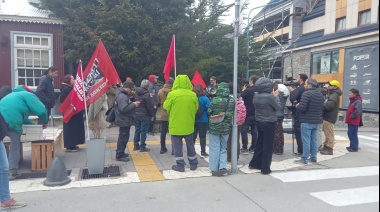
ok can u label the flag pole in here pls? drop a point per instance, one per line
(84, 99)
(175, 60)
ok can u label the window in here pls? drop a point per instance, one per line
(364, 17)
(340, 24)
(326, 63)
(32, 55)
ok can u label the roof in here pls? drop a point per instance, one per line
(319, 37)
(318, 11)
(23, 11)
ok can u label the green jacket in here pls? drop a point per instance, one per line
(331, 106)
(181, 105)
(219, 105)
(17, 106)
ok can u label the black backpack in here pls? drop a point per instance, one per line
(200, 111)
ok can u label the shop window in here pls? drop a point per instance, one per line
(340, 24)
(325, 63)
(364, 17)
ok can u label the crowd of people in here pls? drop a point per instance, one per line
(188, 111)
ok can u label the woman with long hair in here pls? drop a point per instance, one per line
(201, 123)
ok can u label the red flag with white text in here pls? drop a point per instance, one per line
(170, 60)
(98, 76)
(197, 79)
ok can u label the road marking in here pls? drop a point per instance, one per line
(345, 197)
(301, 176)
(368, 138)
(145, 166)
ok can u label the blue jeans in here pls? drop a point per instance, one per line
(218, 152)
(309, 134)
(4, 180)
(141, 129)
(353, 136)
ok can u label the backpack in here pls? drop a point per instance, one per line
(200, 111)
(241, 112)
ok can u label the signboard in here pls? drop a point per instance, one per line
(361, 72)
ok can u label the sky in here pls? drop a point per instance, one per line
(251, 4)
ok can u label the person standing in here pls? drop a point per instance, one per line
(310, 110)
(267, 104)
(295, 98)
(73, 131)
(15, 109)
(162, 95)
(45, 89)
(219, 132)
(181, 105)
(250, 120)
(201, 123)
(144, 114)
(283, 94)
(153, 93)
(124, 111)
(354, 119)
(211, 89)
(330, 116)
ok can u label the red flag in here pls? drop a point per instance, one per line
(98, 76)
(170, 61)
(77, 98)
(197, 79)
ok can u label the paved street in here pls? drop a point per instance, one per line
(344, 182)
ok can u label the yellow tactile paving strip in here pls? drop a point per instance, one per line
(145, 166)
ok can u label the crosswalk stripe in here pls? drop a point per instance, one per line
(368, 138)
(345, 197)
(301, 176)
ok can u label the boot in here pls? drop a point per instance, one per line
(327, 151)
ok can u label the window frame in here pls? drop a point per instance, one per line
(333, 65)
(368, 14)
(337, 24)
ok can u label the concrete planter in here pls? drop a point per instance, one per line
(96, 151)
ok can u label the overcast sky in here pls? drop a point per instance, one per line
(252, 3)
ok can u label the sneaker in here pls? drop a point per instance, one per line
(204, 154)
(314, 162)
(136, 148)
(300, 162)
(297, 154)
(144, 150)
(13, 176)
(122, 159)
(352, 150)
(327, 151)
(216, 173)
(177, 169)
(125, 155)
(251, 150)
(244, 151)
(348, 147)
(163, 151)
(223, 172)
(77, 147)
(193, 167)
(72, 149)
(12, 204)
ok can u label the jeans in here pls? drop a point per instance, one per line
(202, 129)
(178, 153)
(141, 129)
(310, 141)
(250, 121)
(218, 152)
(353, 136)
(123, 139)
(164, 131)
(297, 132)
(14, 152)
(4, 180)
(262, 157)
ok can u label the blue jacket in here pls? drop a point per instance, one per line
(205, 103)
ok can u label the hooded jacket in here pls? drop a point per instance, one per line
(45, 91)
(181, 104)
(354, 111)
(265, 103)
(331, 106)
(145, 109)
(17, 106)
(219, 105)
(162, 95)
(124, 109)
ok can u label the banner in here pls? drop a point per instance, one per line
(197, 79)
(98, 76)
(170, 61)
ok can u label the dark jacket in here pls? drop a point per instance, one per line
(145, 108)
(45, 91)
(247, 96)
(295, 96)
(265, 103)
(354, 111)
(331, 106)
(65, 91)
(311, 106)
(124, 109)
(152, 89)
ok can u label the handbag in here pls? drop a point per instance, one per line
(111, 114)
(220, 117)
